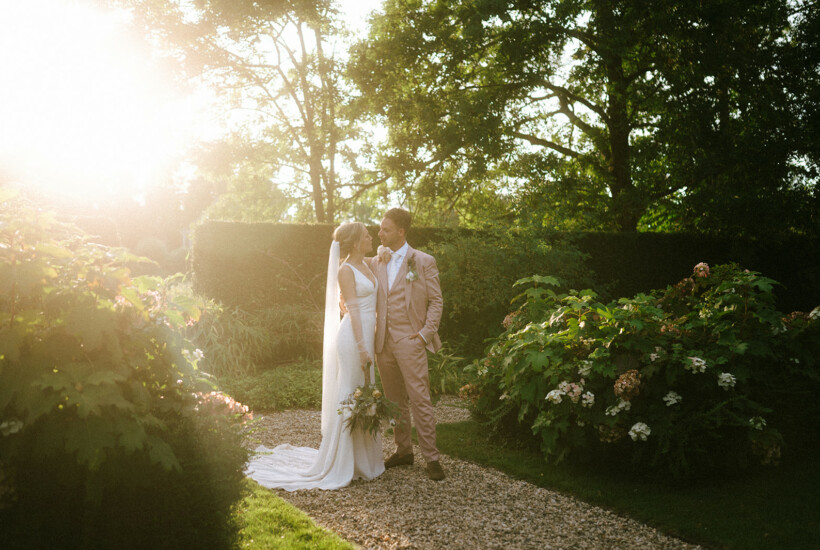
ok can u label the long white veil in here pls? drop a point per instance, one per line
(330, 366)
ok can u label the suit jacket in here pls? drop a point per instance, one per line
(422, 297)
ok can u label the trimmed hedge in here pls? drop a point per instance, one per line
(262, 265)
(265, 265)
(628, 263)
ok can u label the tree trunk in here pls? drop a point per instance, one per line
(626, 205)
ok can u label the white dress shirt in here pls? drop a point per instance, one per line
(394, 264)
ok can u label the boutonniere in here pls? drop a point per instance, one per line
(412, 274)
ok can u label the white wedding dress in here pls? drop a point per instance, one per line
(342, 456)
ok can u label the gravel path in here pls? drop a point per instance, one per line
(474, 507)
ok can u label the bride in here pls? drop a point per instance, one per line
(348, 350)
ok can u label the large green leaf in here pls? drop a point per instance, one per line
(89, 438)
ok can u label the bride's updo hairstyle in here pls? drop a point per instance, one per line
(348, 235)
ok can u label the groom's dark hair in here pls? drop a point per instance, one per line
(400, 217)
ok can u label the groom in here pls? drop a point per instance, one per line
(408, 311)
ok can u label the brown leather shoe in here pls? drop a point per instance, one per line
(434, 470)
(399, 460)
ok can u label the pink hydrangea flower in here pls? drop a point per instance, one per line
(702, 270)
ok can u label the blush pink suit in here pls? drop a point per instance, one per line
(410, 307)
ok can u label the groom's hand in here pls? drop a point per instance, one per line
(383, 253)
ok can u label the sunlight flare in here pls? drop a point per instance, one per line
(84, 107)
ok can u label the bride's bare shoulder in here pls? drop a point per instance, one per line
(345, 273)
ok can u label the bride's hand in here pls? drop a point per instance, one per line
(365, 359)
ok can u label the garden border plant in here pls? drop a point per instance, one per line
(678, 380)
(108, 428)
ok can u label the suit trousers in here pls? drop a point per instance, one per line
(403, 369)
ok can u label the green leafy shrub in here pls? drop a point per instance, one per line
(293, 386)
(680, 380)
(446, 371)
(236, 342)
(477, 272)
(103, 431)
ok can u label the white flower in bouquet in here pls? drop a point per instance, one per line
(726, 380)
(585, 368)
(672, 398)
(639, 431)
(588, 399)
(366, 408)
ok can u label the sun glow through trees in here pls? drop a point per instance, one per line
(84, 107)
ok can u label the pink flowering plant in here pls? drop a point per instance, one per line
(679, 379)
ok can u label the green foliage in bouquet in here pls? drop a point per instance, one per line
(366, 408)
(100, 397)
(681, 380)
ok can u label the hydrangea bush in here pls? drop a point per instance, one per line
(679, 379)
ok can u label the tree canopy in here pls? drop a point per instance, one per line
(278, 66)
(617, 115)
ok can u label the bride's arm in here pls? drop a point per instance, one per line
(347, 282)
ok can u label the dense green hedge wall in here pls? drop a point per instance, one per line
(265, 265)
(628, 263)
(255, 265)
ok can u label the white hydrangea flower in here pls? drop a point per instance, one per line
(672, 398)
(695, 364)
(620, 406)
(585, 368)
(554, 396)
(726, 380)
(757, 422)
(588, 399)
(563, 386)
(653, 357)
(639, 431)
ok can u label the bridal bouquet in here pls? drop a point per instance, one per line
(366, 407)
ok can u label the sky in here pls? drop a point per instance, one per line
(86, 109)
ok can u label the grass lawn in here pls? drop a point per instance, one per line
(778, 508)
(266, 521)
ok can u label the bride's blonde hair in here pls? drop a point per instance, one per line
(348, 234)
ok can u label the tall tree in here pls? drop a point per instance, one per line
(603, 109)
(277, 64)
